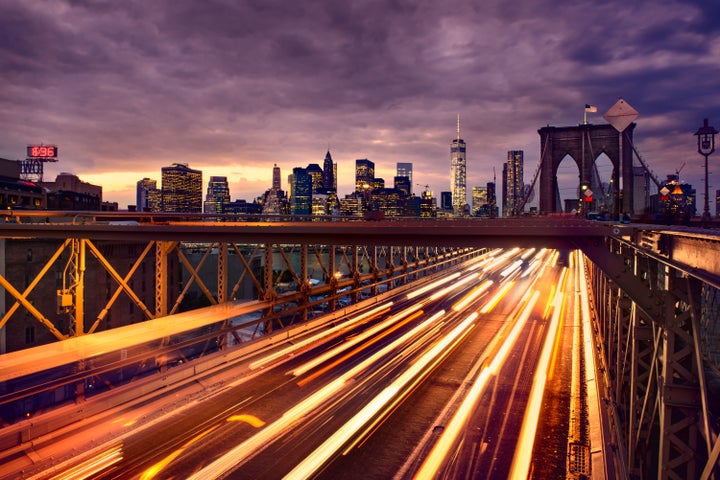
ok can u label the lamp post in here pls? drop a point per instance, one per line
(706, 146)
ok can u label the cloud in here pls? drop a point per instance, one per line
(241, 86)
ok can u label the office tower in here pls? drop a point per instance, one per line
(458, 174)
(300, 192)
(479, 199)
(317, 177)
(276, 178)
(364, 175)
(405, 170)
(181, 189)
(402, 183)
(217, 196)
(428, 204)
(446, 201)
(142, 193)
(492, 200)
(513, 186)
(329, 172)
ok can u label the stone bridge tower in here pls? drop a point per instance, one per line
(585, 143)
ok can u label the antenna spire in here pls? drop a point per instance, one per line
(458, 127)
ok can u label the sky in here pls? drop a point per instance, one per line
(232, 88)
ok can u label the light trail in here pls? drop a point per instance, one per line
(511, 268)
(92, 466)
(476, 292)
(496, 298)
(434, 284)
(440, 451)
(454, 286)
(327, 449)
(520, 467)
(487, 258)
(307, 366)
(248, 448)
(324, 333)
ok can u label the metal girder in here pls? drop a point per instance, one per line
(649, 327)
(122, 283)
(620, 268)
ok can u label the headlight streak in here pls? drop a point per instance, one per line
(434, 284)
(94, 465)
(385, 332)
(529, 252)
(476, 292)
(328, 448)
(324, 333)
(520, 467)
(512, 268)
(487, 258)
(307, 366)
(454, 286)
(504, 258)
(248, 448)
(439, 453)
(497, 297)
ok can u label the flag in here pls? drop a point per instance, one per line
(590, 108)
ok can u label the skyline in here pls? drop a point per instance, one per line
(125, 89)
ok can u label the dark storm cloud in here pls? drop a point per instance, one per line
(136, 85)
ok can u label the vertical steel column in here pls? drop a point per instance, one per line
(268, 294)
(680, 407)
(222, 270)
(356, 273)
(333, 280)
(76, 287)
(304, 287)
(162, 250)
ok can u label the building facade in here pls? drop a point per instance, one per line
(513, 186)
(458, 173)
(181, 189)
(364, 175)
(300, 192)
(405, 169)
(217, 196)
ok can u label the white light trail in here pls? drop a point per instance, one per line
(307, 366)
(324, 333)
(248, 448)
(328, 448)
(476, 292)
(496, 298)
(523, 451)
(454, 286)
(434, 461)
(429, 287)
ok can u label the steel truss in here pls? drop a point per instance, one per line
(320, 276)
(652, 324)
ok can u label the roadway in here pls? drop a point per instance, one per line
(446, 380)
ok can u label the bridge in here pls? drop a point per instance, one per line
(653, 298)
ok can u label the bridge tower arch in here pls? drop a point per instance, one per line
(584, 144)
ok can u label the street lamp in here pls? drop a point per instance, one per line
(706, 146)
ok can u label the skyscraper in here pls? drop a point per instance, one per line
(513, 186)
(364, 175)
(218, 195)
(329, 180)
(276, 178)
(405, 170)
(181, 189)
(458, 175)
(144, 187)
(317, 176)
(300, 192)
